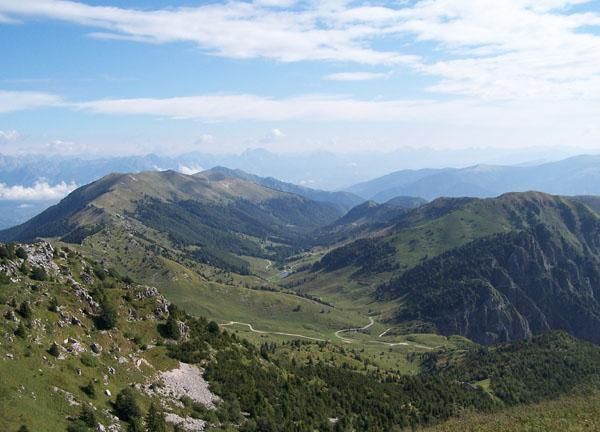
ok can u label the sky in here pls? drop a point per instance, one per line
(132, 77)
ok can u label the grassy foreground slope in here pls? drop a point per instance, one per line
(567, 414)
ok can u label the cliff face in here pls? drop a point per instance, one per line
(507, 286)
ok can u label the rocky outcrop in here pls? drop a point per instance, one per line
(41, 254)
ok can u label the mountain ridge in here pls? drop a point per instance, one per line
(576, 175)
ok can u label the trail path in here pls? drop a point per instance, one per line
(355, 329)
(338, 334)
(253, 330)
(383, 334)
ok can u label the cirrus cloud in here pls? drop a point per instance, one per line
(11, 101)
(356, 76)
(509, 49)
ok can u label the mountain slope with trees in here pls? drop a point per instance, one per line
(103, 344)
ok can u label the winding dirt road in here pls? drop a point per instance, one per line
(253, 330)
(355, 329)
(338, 334)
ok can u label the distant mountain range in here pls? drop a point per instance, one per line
(574, 176)
(311, 175)
(321, 170)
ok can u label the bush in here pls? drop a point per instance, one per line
(25, 310)
(171, 329)
(155, 420)
(21, 253)
(213, 327)
(135, 425)
(21, 331)
(24, 268)
(39, 274)
(54, 350)
(126, 405)
(108, 316)
(100, 273)
(7, 251)
(88, 417)
(53, 305)
(89, 390)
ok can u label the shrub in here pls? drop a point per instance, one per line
(89, 390)
(213, 327)
(21, 253)
(108, 316)
(54, 350)
(126, 405)
(53, 305)
(39, 274)
(100, 273)
(21, 331)
(155, 420)
(24, 268)
(171, 329)
(25, 310)
(135, 425)
(88, 417)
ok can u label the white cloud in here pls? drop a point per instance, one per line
(9, 135)
(355, 76)
(63, 147)
(276, 134)
(237, 29)
(528, 115)
(205, 139)
(11, 101)
(508, 49)
(272, 136)
(189, 170)
(41, 190)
